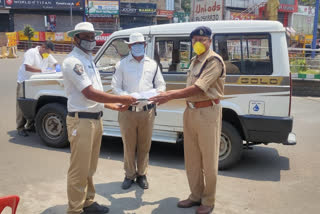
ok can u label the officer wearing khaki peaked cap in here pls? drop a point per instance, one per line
(202, 120)
(86, 101)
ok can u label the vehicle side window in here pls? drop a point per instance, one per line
(173, 54)
(248, 54)
(116, 50)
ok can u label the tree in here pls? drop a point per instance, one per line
(307, 2)
(28, 31)
(185, 5)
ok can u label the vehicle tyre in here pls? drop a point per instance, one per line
(231, 146)
(51, 125)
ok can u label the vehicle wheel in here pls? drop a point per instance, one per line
(51, 125)
(231, 146)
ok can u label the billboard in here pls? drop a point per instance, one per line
(103, 8)
(206, 10)
(138, 9)
(288, 6)
(239, 16)
(44, 4)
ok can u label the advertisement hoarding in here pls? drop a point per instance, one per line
(44, 4)
(103, 8)
(206, 10)
(138, 9)
(289, 6)
(239, 16)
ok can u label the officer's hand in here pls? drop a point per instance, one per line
(162, 98)
(128, 100)
(116, 106)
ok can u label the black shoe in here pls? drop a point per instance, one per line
(126, 184)
(23, 133)
(31, 128)
(142, 182)
(95, 208)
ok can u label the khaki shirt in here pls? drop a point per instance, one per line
(211, 81)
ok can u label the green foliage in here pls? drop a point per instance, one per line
(307, 2)
(298, 66)
(185, 4)
(28, 31)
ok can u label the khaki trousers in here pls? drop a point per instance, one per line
(85, 139)
(136, 130)
(202, 129)
(20, 120)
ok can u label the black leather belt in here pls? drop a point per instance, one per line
(87, 115)
(145, 108)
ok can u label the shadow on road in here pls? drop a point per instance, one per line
(58, 209)
(123, 204)
(119, 204)
(263, 163)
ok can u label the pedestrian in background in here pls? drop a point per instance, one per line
(36, 60)
(201, 121)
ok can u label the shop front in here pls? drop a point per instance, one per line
(4, 18)
(285, 11)
(137, 14)
(39, 14)
(164, 16)
(104, 15)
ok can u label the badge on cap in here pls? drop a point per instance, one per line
(78, 69)
(201, 32)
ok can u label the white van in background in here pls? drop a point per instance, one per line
(257, 102)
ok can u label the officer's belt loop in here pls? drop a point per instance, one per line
(203, 104)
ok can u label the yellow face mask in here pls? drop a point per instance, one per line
(199, 48)
(45, 55)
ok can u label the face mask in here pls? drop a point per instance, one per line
(87, 45)
(137, 50)
(199, 48)
(45, 55)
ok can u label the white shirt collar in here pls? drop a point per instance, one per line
(82, 53)
(145, 58)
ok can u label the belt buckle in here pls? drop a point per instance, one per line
(138, 109)
(191, 105)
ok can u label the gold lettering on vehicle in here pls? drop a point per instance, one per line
(260, 80)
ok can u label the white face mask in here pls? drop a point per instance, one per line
(87, 45)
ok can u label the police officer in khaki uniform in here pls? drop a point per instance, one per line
(85, 94)
(202, 120)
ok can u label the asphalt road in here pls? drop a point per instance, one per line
(269, 179)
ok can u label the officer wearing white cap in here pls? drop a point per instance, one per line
(85, 94)
(202, 120)
(137, 73)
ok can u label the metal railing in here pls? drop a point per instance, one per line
(301, 61)
(62, 48)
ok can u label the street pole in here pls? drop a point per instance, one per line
(84, 10)
(315, 28)
(71, 14)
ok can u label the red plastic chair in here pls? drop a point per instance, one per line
(9, 201)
